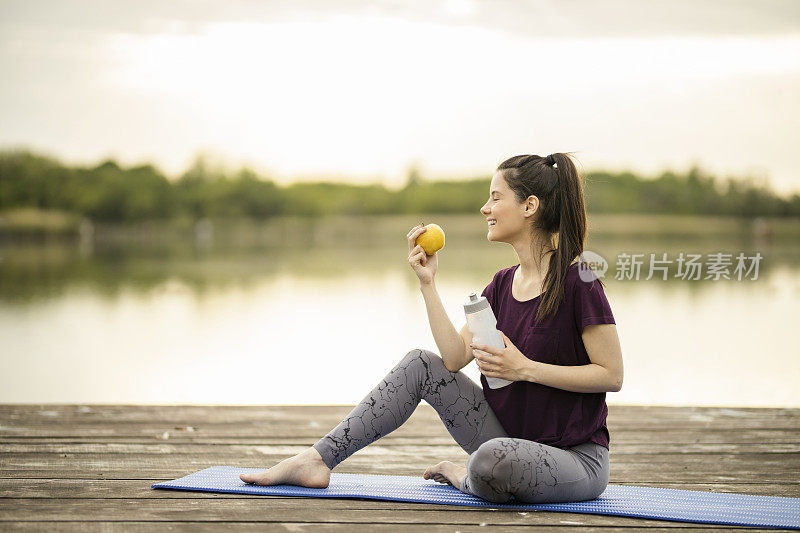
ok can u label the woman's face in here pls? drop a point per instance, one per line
(505, 215)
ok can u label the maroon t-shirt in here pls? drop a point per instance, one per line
(533, 411)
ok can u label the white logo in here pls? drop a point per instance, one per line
(591, 266)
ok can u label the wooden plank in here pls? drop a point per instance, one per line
(413, 427)
(621, 417)
(211, 413)
(617, 477)
(619, 439)
(262, 525)
(410, 455)
(63, 461)
(309, 510)
(419, 446)
(409, 431)
(645, 469)
(73, 488)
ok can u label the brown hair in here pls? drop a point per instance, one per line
(561, 212)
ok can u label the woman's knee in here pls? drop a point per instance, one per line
(490, 460)
(423, 357)
(488, 471)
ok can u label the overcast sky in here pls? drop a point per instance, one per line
(300, 89)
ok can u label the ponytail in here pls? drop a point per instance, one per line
(571, 233)
(555, 181)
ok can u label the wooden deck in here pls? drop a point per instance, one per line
(77, 467)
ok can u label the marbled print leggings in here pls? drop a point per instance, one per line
(499, 466)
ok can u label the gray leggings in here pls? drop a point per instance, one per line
(499, 466)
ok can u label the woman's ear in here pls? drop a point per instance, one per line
(531, 205)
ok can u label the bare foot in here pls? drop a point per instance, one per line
(446, 472)
(306, 469)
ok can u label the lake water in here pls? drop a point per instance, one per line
(319, 321)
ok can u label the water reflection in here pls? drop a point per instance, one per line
(319, 319)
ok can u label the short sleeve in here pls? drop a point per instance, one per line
(490, 292)
(591, 304)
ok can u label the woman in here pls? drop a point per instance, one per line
(543, 438)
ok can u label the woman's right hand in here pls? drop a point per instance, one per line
(424, 265)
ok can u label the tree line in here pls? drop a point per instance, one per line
(108, 192)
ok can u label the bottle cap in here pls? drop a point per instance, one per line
(476, 303)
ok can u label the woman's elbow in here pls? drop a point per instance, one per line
(614, 383)
(448, 366)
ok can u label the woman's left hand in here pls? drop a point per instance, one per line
(508, 363)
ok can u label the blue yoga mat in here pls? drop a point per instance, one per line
(639, 502)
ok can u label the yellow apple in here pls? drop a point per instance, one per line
(432, 239)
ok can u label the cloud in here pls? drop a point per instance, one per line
(364, 88)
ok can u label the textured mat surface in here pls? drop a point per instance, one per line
(622, 500)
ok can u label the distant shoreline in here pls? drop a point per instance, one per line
(29, 223)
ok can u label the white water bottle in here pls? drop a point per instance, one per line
(483, 325)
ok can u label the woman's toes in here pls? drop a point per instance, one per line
(446, 472)
(431, 471)
(438, 472)
(250, 478)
